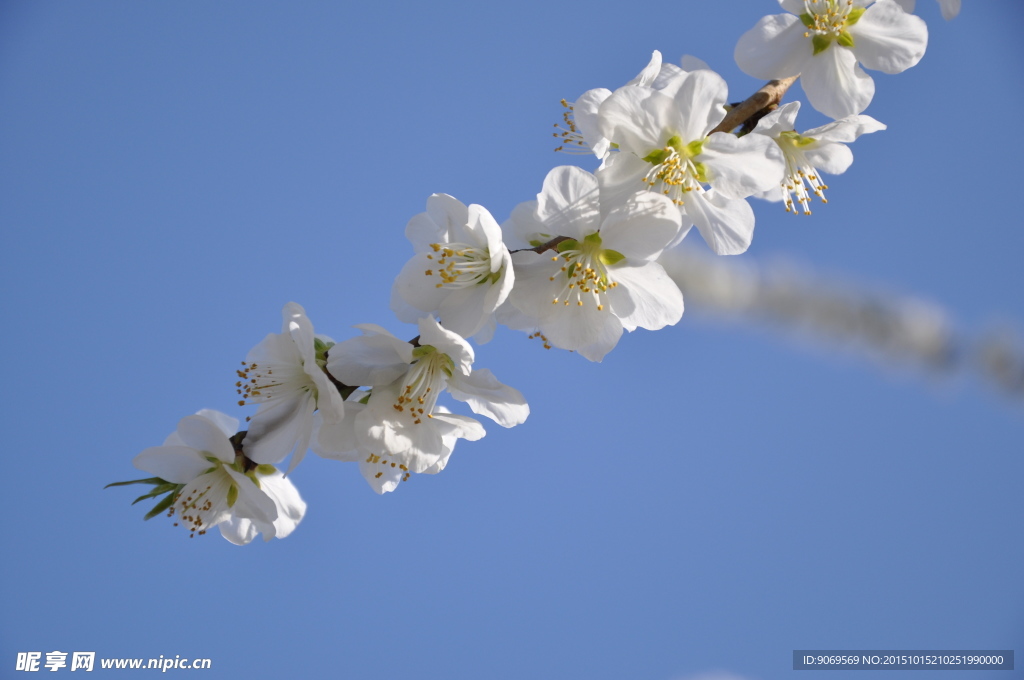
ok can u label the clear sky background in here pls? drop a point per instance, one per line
(710, 497)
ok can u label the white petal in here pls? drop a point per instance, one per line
(950, 8)
(289, 504)
(702, 96)
(774, 48)
(524, 226)
(414, 293)
(641, 227)
(444, 340)
(338, 441)
(741, 166)
(584, 113)
(782, 119)
(640, 120)
(845, 129)
(176, 464)
(381, 477)
(650, 72)
(487, 396)
(584, 329)
(369, 360)
(252, 502)
(238, 530)
(568, 204)
(657, 301)
(835, 84)
(203, 435)
(224, 422)
(278, 427)
(833, 159)
(888, 39)
(727, 224)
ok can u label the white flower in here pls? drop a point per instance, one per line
(220, 489)
(950, 8)
(824, 41)
(821, 148)
(665, 147)
(602, 278)
(401, 420)
(461, 269)
(582, 132)
(282, 374)
(383, 471)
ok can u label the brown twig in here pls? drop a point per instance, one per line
(757, 105)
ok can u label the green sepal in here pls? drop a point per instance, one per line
(702, 172)
(161, 506)
(845, 39)
(321, 346)
(821, 43)
(366, 399)
(656, 157)
(855, 14)
(148, 480)
(572, 268)
(610, 257)
(422, 351)
(568, 244)
(807, 19)
(157, 491)
(694, 148)
(614, 145)
(593, 240)
(536, 244)
(266, 469)
(251, 474)
(232, 495)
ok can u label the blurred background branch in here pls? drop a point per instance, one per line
(892, 327)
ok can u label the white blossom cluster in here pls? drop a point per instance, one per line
(584, 267)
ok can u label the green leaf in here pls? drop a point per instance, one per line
(821, 43)
(610, 257)
(157, 491)
(160, 507)
(149, 480)
(845, 39)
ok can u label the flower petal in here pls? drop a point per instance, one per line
(657, 301)
(727, 224)
(487, 396)
(205, 436)
(774, 48)
(835, 84)
(176, 464)
(888, 39)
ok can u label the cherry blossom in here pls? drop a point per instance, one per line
(219, 486)
(821, 148)
(826, 41)
(461, 270)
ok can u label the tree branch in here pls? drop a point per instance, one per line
(756, 106)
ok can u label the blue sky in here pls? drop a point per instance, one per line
(709, 497)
